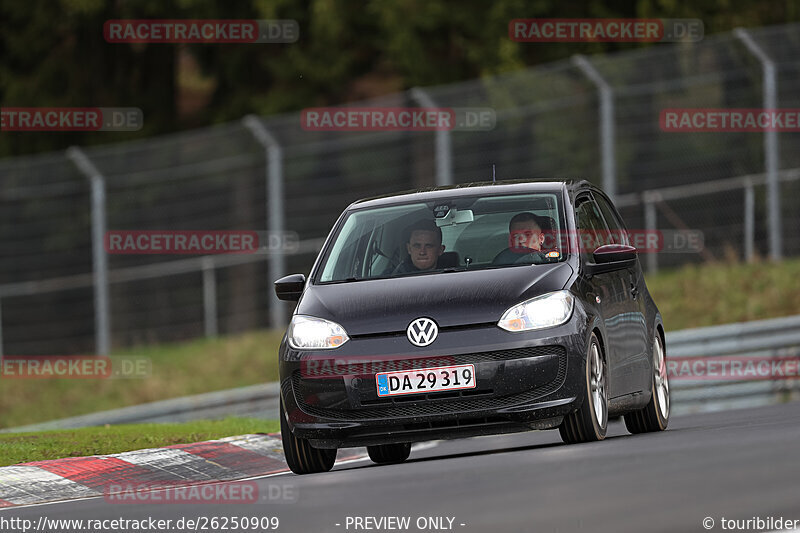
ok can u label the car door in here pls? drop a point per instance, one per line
(608, 290)
(634, 342)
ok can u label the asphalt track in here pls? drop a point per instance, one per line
(734, 464)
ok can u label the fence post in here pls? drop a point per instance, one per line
(650, 223)
(607, 133)
(771, 148)
(276, 265)
(749, 221)
(209, 297)
(102, 310)
(444, 149)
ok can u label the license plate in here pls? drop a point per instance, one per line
(426, 380)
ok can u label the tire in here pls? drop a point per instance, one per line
(590, 422)
(385, 454)
(655, 415)
(301, 456)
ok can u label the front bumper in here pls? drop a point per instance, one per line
(524, 381)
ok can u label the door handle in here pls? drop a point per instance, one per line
(634, 290)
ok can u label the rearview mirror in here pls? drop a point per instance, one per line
(454, 216)
(289, 288)
(611, 257)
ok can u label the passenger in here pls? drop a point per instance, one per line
(525, 237)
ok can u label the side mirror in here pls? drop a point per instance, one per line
(610, 253)
(289, 288)
(611, 257)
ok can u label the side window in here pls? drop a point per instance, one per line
(617, 232)
(591, 228)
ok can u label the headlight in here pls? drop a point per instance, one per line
(311, 333)
(544, 311)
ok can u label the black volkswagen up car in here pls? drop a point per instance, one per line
(470, 310)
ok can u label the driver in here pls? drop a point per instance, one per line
(424, 247)
(525, 237)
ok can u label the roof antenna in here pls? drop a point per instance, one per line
(494, 180)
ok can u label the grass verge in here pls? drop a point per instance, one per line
(179, 369)
(26, 447)
(710, 294)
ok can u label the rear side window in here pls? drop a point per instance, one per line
(617, 233)
(592, 231)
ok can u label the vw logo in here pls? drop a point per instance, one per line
(422, 331)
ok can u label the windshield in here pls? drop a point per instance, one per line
(467, 233)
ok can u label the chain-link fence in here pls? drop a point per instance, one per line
(596, 118)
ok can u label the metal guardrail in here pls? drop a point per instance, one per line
(735, 338)
(762, 338)
(255, 401)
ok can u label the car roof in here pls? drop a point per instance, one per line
(519, 186)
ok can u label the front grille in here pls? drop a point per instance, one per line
(432, 396)
(438, 403)
(354, 365)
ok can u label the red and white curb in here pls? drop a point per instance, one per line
(228, 459)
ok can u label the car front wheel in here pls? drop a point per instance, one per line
(590, 422)
(301, 457)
